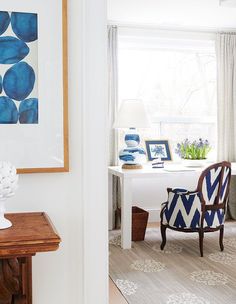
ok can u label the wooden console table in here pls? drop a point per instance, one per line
(29, 234)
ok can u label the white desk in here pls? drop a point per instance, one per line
(127, 177)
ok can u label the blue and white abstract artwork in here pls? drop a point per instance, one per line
(19, 102)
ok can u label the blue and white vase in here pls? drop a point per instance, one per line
(133, 154)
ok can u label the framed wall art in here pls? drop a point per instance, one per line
(33, 85)
(158, 149)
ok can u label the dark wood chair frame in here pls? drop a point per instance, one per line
(204, 207)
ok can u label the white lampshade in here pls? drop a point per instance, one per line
(132, 114)
(231, 3)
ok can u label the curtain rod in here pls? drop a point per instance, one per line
(202, 30)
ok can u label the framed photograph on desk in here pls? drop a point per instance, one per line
(158, 149)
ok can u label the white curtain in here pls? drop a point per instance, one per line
(226, 66)
(226, 74)
(112, 92)
(112, 108)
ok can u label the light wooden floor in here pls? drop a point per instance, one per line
(115, 297)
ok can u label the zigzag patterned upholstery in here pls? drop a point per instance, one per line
(202, 210)
(182, 210)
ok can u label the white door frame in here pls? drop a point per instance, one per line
(95, 152)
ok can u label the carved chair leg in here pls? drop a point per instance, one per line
(221, 238)
(163, 235)
(201, 237)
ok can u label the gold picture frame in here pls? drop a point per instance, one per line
(49, 151)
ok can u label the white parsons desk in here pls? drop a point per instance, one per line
(127, 177)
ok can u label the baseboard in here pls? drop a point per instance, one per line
(154, 215)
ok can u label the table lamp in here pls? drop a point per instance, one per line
(132, 115)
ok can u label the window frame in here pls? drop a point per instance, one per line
(129, 39)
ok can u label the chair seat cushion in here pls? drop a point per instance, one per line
(214, 218)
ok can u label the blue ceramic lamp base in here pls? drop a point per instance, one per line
(133, 156)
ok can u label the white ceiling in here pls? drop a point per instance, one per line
(192, 14)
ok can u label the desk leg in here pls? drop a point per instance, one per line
(110, 201)
(126, 213)
(16, 280)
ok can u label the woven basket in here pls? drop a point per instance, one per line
(139, 223)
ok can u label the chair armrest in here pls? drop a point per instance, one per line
(181, 191)
(164, 204)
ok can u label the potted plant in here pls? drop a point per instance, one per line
(194, 153)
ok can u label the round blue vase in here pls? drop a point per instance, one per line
(133, 154)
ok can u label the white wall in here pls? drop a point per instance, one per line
(64, 276)
(173, 14)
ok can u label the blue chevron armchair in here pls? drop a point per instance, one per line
(202, 210)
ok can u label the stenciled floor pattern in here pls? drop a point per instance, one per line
(177, 275)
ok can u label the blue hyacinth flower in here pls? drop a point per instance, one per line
(12, 50)
(28, 111)
(4, 21)
(25, 26)
(8, 111)
(19, 80)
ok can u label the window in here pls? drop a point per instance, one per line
(176, 79)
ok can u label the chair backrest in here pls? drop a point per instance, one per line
(213, 185)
